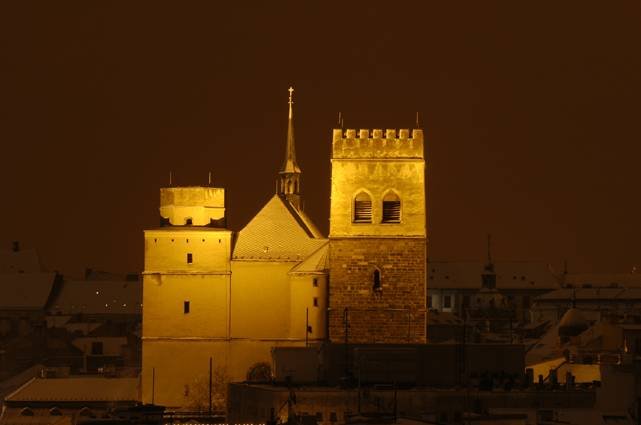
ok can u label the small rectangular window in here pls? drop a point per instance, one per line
(186, 307)
(466, 301)
(447, 301)
(315, 302)
(315, 282)
(190, 258)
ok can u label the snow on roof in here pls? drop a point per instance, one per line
(98, 297)
(509, 275)
(317, 262)
(22, 261)
(547, 348)
(588, 294)
(624, 280)
(25, 291)
(77, 389)
(436, 317)
(278, 232)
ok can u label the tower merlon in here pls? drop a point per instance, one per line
(192, 205)
(373, 144)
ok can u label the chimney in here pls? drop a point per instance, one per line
(16, 246)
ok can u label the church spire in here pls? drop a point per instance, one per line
(289, 175)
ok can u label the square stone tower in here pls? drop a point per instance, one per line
(377, 288)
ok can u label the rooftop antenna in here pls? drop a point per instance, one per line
(489, 249)
(209, 178)
(418, 125)
(170, 178)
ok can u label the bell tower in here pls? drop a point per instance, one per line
(377, 290)
(289, 175)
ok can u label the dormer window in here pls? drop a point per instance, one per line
(391, 208)
(362, 208)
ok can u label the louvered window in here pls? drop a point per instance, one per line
(362, 208)
(391, 208)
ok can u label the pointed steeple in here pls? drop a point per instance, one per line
(289, 175)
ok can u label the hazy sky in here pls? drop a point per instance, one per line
(531, 112)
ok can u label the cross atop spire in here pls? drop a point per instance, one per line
(289, 175)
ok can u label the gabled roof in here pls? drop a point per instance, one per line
(25, 291)
(509, 275)
(317, 262)
(98, 297)
(77, 389)
(279, 232)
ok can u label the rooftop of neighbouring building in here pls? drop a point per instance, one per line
(519, 275)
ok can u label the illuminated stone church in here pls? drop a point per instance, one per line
(210, 293)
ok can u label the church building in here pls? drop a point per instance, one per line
(211, 294)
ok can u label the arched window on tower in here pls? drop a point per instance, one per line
(391, 208)
(362, 208)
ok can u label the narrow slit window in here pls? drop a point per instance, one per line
(315, 282)
(391, 208)
(190, 258)
(186, 307)
(362, 208)
(315, 302)
(376, 286)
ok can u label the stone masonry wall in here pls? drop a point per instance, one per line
(397, 313)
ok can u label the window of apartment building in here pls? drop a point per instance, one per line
(447, 301)
(186, 307)
(362, 208)
(96, 348)
(466, 301)
(391, 208)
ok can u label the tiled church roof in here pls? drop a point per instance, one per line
(279, 232)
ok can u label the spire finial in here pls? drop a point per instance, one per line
(291, 101)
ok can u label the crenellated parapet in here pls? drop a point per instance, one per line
(377, 144)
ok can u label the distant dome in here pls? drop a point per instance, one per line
(572, 323)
